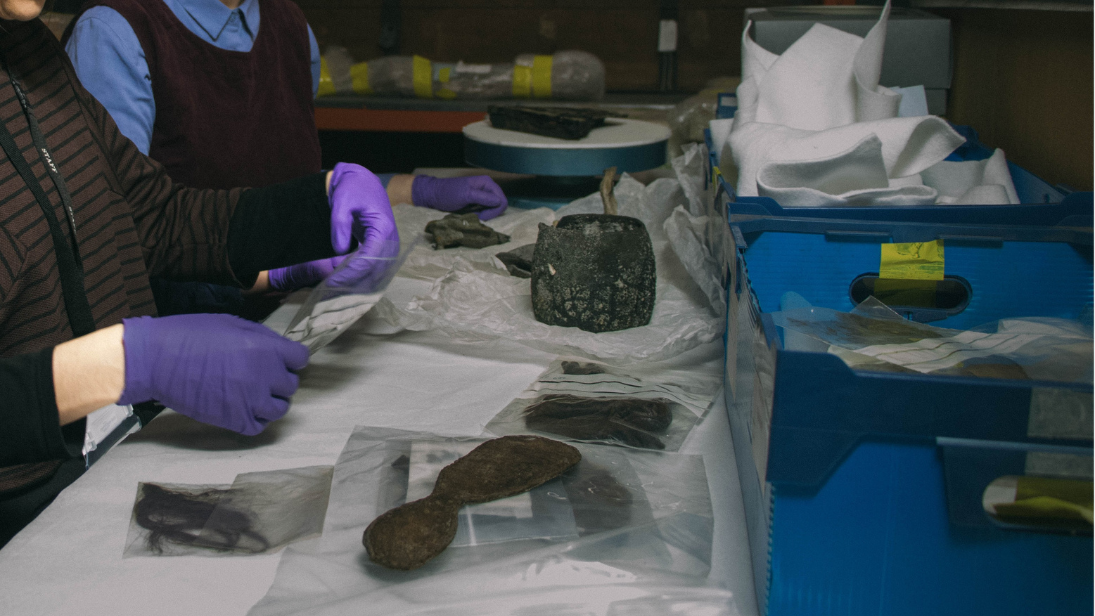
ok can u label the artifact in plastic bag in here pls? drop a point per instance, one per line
(410, 535)
(260, 512)
(559, 122)
(646, 534)
(631, 421)
(595, 272)
(518, 261)
(463, 230)
(566, 75)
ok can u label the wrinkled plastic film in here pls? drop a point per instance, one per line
(873, 337)
(355, 286)
(643, 520)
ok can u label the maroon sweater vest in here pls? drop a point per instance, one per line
(228, 118)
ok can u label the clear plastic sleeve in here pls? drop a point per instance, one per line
(259, 513)
(644, 536)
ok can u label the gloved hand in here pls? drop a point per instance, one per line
(302, 275)
(216, 368)
(359, 209)
(451, 194)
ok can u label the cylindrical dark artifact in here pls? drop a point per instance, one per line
(595, 272)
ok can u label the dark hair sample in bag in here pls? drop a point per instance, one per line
(630, 421)
(188, 519)
(410, 535)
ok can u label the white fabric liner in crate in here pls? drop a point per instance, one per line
(474, 298)
(814, 128)
(649, 553)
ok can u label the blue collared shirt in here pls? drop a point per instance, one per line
(111, 64)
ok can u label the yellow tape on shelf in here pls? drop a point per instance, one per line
(423, 77)
(541, 76)
(522, 81)
(912, 261)
(326, 85)
(443, 76)
(359, 74)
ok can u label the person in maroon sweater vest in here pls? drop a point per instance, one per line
(220, 92)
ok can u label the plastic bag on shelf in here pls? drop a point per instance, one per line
(566, 75)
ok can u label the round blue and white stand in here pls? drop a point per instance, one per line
(566, 169)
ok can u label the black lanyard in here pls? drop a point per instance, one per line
(68, 254)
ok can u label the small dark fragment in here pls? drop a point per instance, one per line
(410, 535)
(560, 122)
(582, 368)
(600, 502)
(463, 230)
(631, 421)
(595, 272)
(518, 261)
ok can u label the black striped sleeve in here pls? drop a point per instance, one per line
(29, 426)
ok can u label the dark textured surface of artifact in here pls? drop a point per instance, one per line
(560, 122)
(630, 421)
(581, 368)
(463, 230)
(518, 261)
(408, 536)
(595, 272)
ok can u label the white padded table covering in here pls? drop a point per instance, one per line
(69, 560)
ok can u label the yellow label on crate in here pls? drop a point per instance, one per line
(422, 77)
(541, 76)
(912, 261)
(359, 75)
(326, 85)
(522, 81)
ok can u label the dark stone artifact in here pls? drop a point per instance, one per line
(410, 535)
(518, 261)
(595, 272)
(463, 230)
(559, 122)
(631, 421)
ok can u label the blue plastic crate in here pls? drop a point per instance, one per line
(1041, 203)
(862, 490)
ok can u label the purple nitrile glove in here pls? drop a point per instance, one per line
(302, 275)
(359, 208)
(451, 194)
(215, 368)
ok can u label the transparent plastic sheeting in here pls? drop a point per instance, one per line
(349, 292)
(474, 298)
(874, 337)
(640, 539)
(259, 513)
(686, 394)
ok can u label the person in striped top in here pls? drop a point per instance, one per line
(85, 220)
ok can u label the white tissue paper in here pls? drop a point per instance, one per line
(473, 297)
(814, 128)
